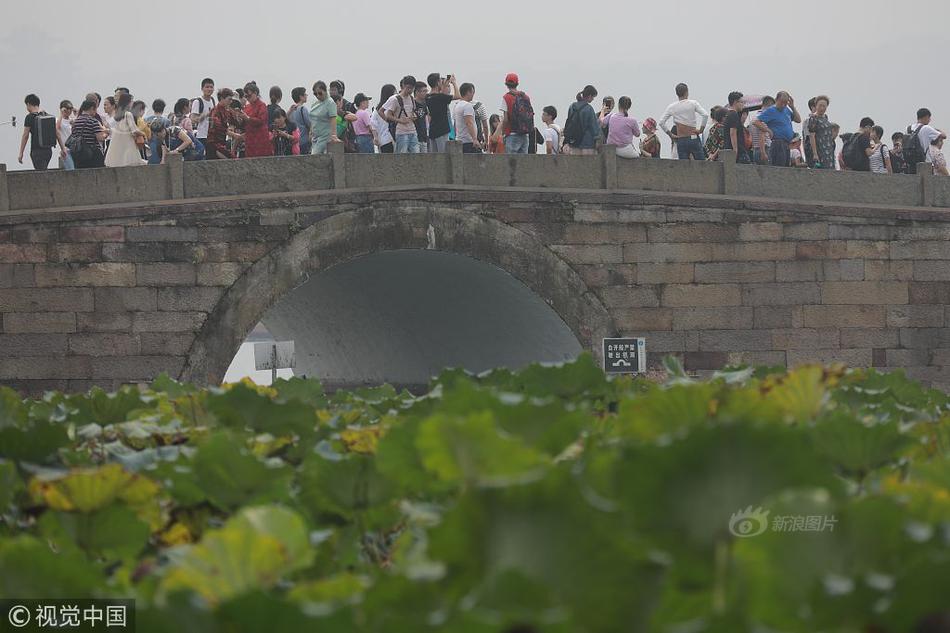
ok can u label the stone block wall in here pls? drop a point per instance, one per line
(105, 296)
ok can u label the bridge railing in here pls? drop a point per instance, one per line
(25, 191)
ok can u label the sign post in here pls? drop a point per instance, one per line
(274, 355)
(625, 355)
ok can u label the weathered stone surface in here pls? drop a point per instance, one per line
(820, 316)
(915, 316)
(864, 292)
(734, 272)
(164, 274)
(731, 318)
(104, 345)
(791, 293)
(665, 273)
(167, 321)
(95, 274)
(223, 274)
(130, 292)
(46, 300)
(188, 299)
(38, 322)
(701, 295)
(125, 299)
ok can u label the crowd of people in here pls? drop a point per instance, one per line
(225, 123)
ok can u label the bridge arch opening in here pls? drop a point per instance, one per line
(400, 317)
(426, 286)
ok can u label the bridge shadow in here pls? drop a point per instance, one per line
(389, 295)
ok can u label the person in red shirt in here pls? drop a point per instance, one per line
(257, 140)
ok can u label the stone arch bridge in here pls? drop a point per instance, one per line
(114, 276)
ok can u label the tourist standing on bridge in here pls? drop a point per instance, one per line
(401, 110)
(776, 121)
(275, 94)
(690, 119)
(363, 127)
(442, 92)
(761, 141)
(918, 140)
(716, 139)
(582, 131)
(123, 150)
(466, 131)
(181, 115)
(734, 137)
(551, 132)
(223, 117)
(517, 118)
(89, 133)
(201, 110)
(257, 140)
(322, 119)
(878, 154)
(650, 144)
(64, 125)
(936, 158)
(898, 165)
(299, 115)
(41, 147)
(821, 135)
(384, 133)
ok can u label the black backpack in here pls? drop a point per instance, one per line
(44, 127)
(201, 104)
(853, 155)
(573, 129)
(913, 151)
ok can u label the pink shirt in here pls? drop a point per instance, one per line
(362, 124)
(622, 129)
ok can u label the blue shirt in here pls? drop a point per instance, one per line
(779, 122)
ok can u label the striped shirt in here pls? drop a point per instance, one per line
(86, 127)
(877, 159)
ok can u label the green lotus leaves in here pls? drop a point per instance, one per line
(549, 499)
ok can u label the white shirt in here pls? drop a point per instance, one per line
(927, 135)
(552, 135)
(684, 112)
(202, 131)
(463, 109)
(382, 128)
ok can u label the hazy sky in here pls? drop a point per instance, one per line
(856, 51)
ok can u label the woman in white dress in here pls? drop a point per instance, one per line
(123, 152)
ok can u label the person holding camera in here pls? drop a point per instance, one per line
(443, 91)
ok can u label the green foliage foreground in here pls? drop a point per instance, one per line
(549, 500)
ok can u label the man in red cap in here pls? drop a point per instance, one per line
(517, 118)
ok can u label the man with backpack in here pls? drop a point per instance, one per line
(917, 141)
(201, 108)
(43, 133)
(517, 117)
(401, 110)
(855, 151)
